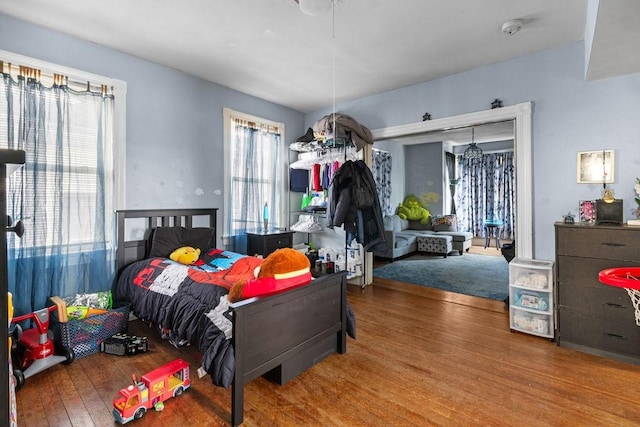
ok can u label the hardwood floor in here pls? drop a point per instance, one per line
(421, 357)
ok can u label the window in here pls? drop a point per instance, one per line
(255, 174)
(68, 189)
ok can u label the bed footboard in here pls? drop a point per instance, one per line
(284, 335)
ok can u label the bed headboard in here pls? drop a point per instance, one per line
(128, 251)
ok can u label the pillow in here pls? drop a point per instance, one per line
(444, 223)
(415, 224)
(165, 240)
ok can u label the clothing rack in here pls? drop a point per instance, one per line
(329, 153)
(306, 160)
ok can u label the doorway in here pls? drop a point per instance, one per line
(520, 114)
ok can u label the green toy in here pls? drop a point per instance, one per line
(411, 209)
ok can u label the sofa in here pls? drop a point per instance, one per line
(401, 235)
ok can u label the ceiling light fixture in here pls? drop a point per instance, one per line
(316, 7)
(472, 151)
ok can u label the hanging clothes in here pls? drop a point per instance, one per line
(298, 180)
(346, 126)
(362, 223)
(317, 186)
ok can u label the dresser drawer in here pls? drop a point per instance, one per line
(265, 243)
(603, 301)
(271, 243)
(621, 336)
(584, 271)
(615, 243)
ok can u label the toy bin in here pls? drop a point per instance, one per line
(530, 322)
(84, 336)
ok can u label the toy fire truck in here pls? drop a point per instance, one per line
(154, 387)
(121, 344)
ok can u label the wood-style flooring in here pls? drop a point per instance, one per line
(422, 357)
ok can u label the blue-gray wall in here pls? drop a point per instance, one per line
(174, 121)
(423, 174)
(569, 115)
(172, 151)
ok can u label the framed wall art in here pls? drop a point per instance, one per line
(595, 167)
(587, 210)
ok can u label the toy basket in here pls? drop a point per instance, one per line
(85, 335)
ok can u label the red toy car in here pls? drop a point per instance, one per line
(154, 387)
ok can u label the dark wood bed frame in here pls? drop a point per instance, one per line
(277, 337)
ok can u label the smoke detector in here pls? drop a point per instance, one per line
(512, 27)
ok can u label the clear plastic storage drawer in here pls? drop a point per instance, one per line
(531, 274)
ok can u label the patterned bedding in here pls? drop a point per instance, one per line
(189, 303)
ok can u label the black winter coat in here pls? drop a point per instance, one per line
(363, 224)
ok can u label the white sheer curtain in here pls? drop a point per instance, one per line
(64, 192)
(257, 176)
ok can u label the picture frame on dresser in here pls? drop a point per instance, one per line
(587, 210)
(595, 167)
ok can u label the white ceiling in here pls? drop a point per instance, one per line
(269, 49)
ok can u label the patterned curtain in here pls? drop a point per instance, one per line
(64, 192)
(450, 189)
(382, 175)
(487, 192)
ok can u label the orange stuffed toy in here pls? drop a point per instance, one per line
(283, 269)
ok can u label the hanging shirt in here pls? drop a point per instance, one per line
(316, 178)
(299, 180)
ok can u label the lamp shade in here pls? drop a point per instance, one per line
(473, 152)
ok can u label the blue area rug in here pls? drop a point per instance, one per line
(476, 275)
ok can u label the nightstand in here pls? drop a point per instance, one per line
(264, 242)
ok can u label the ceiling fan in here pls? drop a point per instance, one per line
(316, 7)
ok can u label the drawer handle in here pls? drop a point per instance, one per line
(616, 336)
(611, 304)
(617, 245)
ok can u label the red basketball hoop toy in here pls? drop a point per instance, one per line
(627, 278)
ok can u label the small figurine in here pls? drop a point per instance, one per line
(568, 218)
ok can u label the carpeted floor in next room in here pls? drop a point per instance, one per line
(471, 274)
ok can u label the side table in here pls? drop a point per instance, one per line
(492, 228)
(264, 242)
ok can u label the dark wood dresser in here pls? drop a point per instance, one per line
(592, 316)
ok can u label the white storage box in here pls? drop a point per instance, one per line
(530, 322)
(531, 274)
(531, 302)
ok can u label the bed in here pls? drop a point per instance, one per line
(278, 337)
